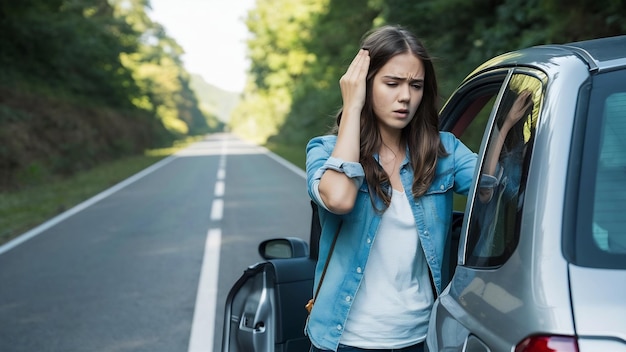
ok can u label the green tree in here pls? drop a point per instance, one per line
(316, 95)
(68, 44)
(83, 81)
(158, 70)
(463, 34)
(278, 57)
(300, 49)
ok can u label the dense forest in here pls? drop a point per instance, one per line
(85, 81)
(298, 53)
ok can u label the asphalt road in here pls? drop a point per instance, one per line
(122, 271)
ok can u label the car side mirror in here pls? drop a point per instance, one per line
(284, 248)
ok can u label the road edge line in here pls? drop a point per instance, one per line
(284, 162)
(81, 206)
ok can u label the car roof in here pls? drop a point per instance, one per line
(602, 54)
(605, 53)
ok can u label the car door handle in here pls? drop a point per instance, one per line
(248, 323)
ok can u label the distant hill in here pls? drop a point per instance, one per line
(214, 100)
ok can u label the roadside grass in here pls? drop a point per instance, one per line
(29, 207)
(25, 209)
(295, 154)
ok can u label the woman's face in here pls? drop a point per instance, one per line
(397, 91)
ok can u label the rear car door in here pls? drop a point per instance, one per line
(492, 229)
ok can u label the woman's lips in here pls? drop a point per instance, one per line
(401, 113)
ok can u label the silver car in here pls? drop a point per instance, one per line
(541, 262)
(538, 255)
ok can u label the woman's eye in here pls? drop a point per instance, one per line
(392, 84)
(416, 85)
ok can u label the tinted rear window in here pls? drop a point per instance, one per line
(601, 209)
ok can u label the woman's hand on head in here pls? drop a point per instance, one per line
(353, 83)
(337, 191)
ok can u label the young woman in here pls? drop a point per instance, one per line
(384, 186)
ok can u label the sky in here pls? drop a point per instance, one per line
(212, 33)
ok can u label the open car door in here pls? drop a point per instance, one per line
(265, 308)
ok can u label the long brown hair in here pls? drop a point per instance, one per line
(421, 135)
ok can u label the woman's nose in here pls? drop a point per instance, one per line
(405, 93)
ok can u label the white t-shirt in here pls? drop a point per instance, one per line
(392, 306)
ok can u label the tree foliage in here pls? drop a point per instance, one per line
(291, 103)
(316, 95)
(69, 44)
(280, 29)
(85, 81)
(158, 71)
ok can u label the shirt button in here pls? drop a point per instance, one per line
(359, 270)
(338, 327)
(441, 187)
(348, 298)
(369, 240)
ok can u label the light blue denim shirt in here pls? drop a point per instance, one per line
(432, 213)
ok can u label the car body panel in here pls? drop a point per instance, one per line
(599, 310)
(530, 293)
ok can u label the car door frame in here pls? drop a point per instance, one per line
(460, 110)
(453, 315)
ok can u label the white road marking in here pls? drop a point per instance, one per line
(219, 188)
(203, 325)
(217, 209)
(298, 171)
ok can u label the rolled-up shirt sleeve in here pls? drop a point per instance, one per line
(351, 169)
(319, 160)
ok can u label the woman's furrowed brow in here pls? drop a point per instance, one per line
(398, 78)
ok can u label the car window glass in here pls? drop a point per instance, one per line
(609, 223)
(473, 134)
(467, 112)
(493, 228)
(600, 201)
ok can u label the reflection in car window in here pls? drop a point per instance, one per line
(609, 223)
(493, 229)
